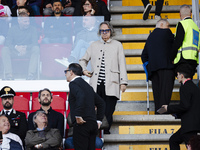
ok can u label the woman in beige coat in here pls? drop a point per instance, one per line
(108, 74)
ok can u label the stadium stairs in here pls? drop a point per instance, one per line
(133, 128)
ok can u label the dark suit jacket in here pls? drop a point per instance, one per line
(18, 123)
(189, 107)
(158, 50)
(103, 10)
(82, 101)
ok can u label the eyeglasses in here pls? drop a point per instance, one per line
(65, 71)
(86, 5)
(104, 31)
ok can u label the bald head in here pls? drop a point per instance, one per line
(162, 23)
(185, 11)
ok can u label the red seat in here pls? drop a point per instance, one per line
(24, 94)
(48, 54)
(58, 103)
(20, 104)
(105, 1)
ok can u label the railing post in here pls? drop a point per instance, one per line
(195, 16)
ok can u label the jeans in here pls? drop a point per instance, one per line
(69, 143)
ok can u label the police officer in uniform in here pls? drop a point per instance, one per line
(186, 43)
(18, 123)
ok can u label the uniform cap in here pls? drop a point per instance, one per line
(7, 91)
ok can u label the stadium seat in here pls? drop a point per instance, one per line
(20, 104)
(48, 54)
(58, 103)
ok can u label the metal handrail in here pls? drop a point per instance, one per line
(195, 16)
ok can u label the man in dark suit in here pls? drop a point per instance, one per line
(17, 119)
(157, 53)
(187, 110)
(82, 101)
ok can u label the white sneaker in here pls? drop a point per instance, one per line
(63, 61)
(157, 17)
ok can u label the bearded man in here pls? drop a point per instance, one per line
(18, 123)
(55, 119)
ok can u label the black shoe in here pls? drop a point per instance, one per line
(147, 11)
(30, 77)
(106, 132)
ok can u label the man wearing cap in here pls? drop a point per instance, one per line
(187, 110)
(18, 123)
(55, 119)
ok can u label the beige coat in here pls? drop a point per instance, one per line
(115, 65)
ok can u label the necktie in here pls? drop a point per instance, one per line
(7, 112)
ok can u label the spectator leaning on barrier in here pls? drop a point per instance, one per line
(17, 119)
(186, 43)
(55, 119)
(108, 69)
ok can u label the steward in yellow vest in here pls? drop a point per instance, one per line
(186, 43)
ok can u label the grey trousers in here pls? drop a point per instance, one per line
(33, 54)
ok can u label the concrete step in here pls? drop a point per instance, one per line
(131, 52)
(133, 107)
(142, 83)
(140, 16)
(139, 22)
(148, 129)
(131, 37)
(147, 119)
(158, 146)
(151, 16)
(133, 45)
(153, 2)
(142, 76)
(136, 76)
(120, 138)
(141, 30)
(139, 9)
(133, 60)
(164, 145)
(140, 96)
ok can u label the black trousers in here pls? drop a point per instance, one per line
(159, 6)
(84, 136)
(162, 85)
(177, 138)
(110, 102)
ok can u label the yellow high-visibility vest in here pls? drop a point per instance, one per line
(190, 46)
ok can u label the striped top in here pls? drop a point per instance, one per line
(102, 77)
